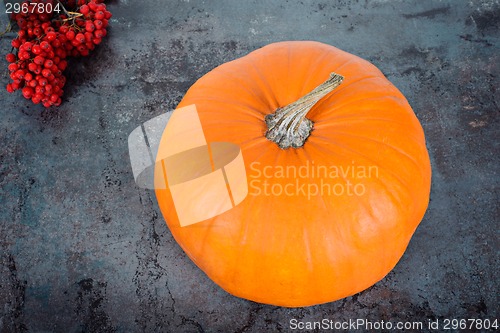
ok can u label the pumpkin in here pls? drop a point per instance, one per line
(300, 237)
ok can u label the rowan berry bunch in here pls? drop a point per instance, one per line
(45, 41)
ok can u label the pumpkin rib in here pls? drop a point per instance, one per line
(257, 71)
(348, 85)
(398, 150)
(255, 94)
(216, 97)
(310, 158)
(357, 198)
(361, 203)
(246, 145)
(325, 123)
(388, 171)
(315, 66)
(246, 108)
(342, 124)
(338, 90)
(336, 106)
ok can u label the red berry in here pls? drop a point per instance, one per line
(36, 49)
(84, 9)
(33, 83)
(80, 22)
(13, 67)
(61, 53)
(43, 81)
(54, 98)
(19, 74)
(80, 37)
(89, 26)
(28, 77)
(48, 63)
(10, 57)
(70, 35)
(27, 46)
(100, 15)
(97, 41)
(88, 36)
(51, 36)
(44, 17)
(98, 24)
(24, 55)
(46, 72)
(39, 60)
(16, 43)
(108, 15)
(9, 88)
(27, 92)
(56, 43)
(45, 45)
(40, 90)
(37, 31)
(35, 99)
(99, 33)
(62, 65)
(64, 29)
(32, 66)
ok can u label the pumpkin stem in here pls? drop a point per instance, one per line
(288, 126)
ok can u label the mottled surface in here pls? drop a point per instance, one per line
(82, 249)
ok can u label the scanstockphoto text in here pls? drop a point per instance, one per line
(453, 324)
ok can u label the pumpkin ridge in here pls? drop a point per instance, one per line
(350, 83)
(318, 147)
(375, 219)
(337, 106)
(388, 171)
(318, 70)
(328, 98)
(398, 150)
(242, 108)
(222, 95)
(341, 121)
(258, 72)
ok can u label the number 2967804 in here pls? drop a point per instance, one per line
(31, 7)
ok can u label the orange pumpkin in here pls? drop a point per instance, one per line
(291, 242)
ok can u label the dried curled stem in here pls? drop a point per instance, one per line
(288, 126)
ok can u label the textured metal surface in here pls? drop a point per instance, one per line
(82, 248)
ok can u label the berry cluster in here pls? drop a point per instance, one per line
(45, 41)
